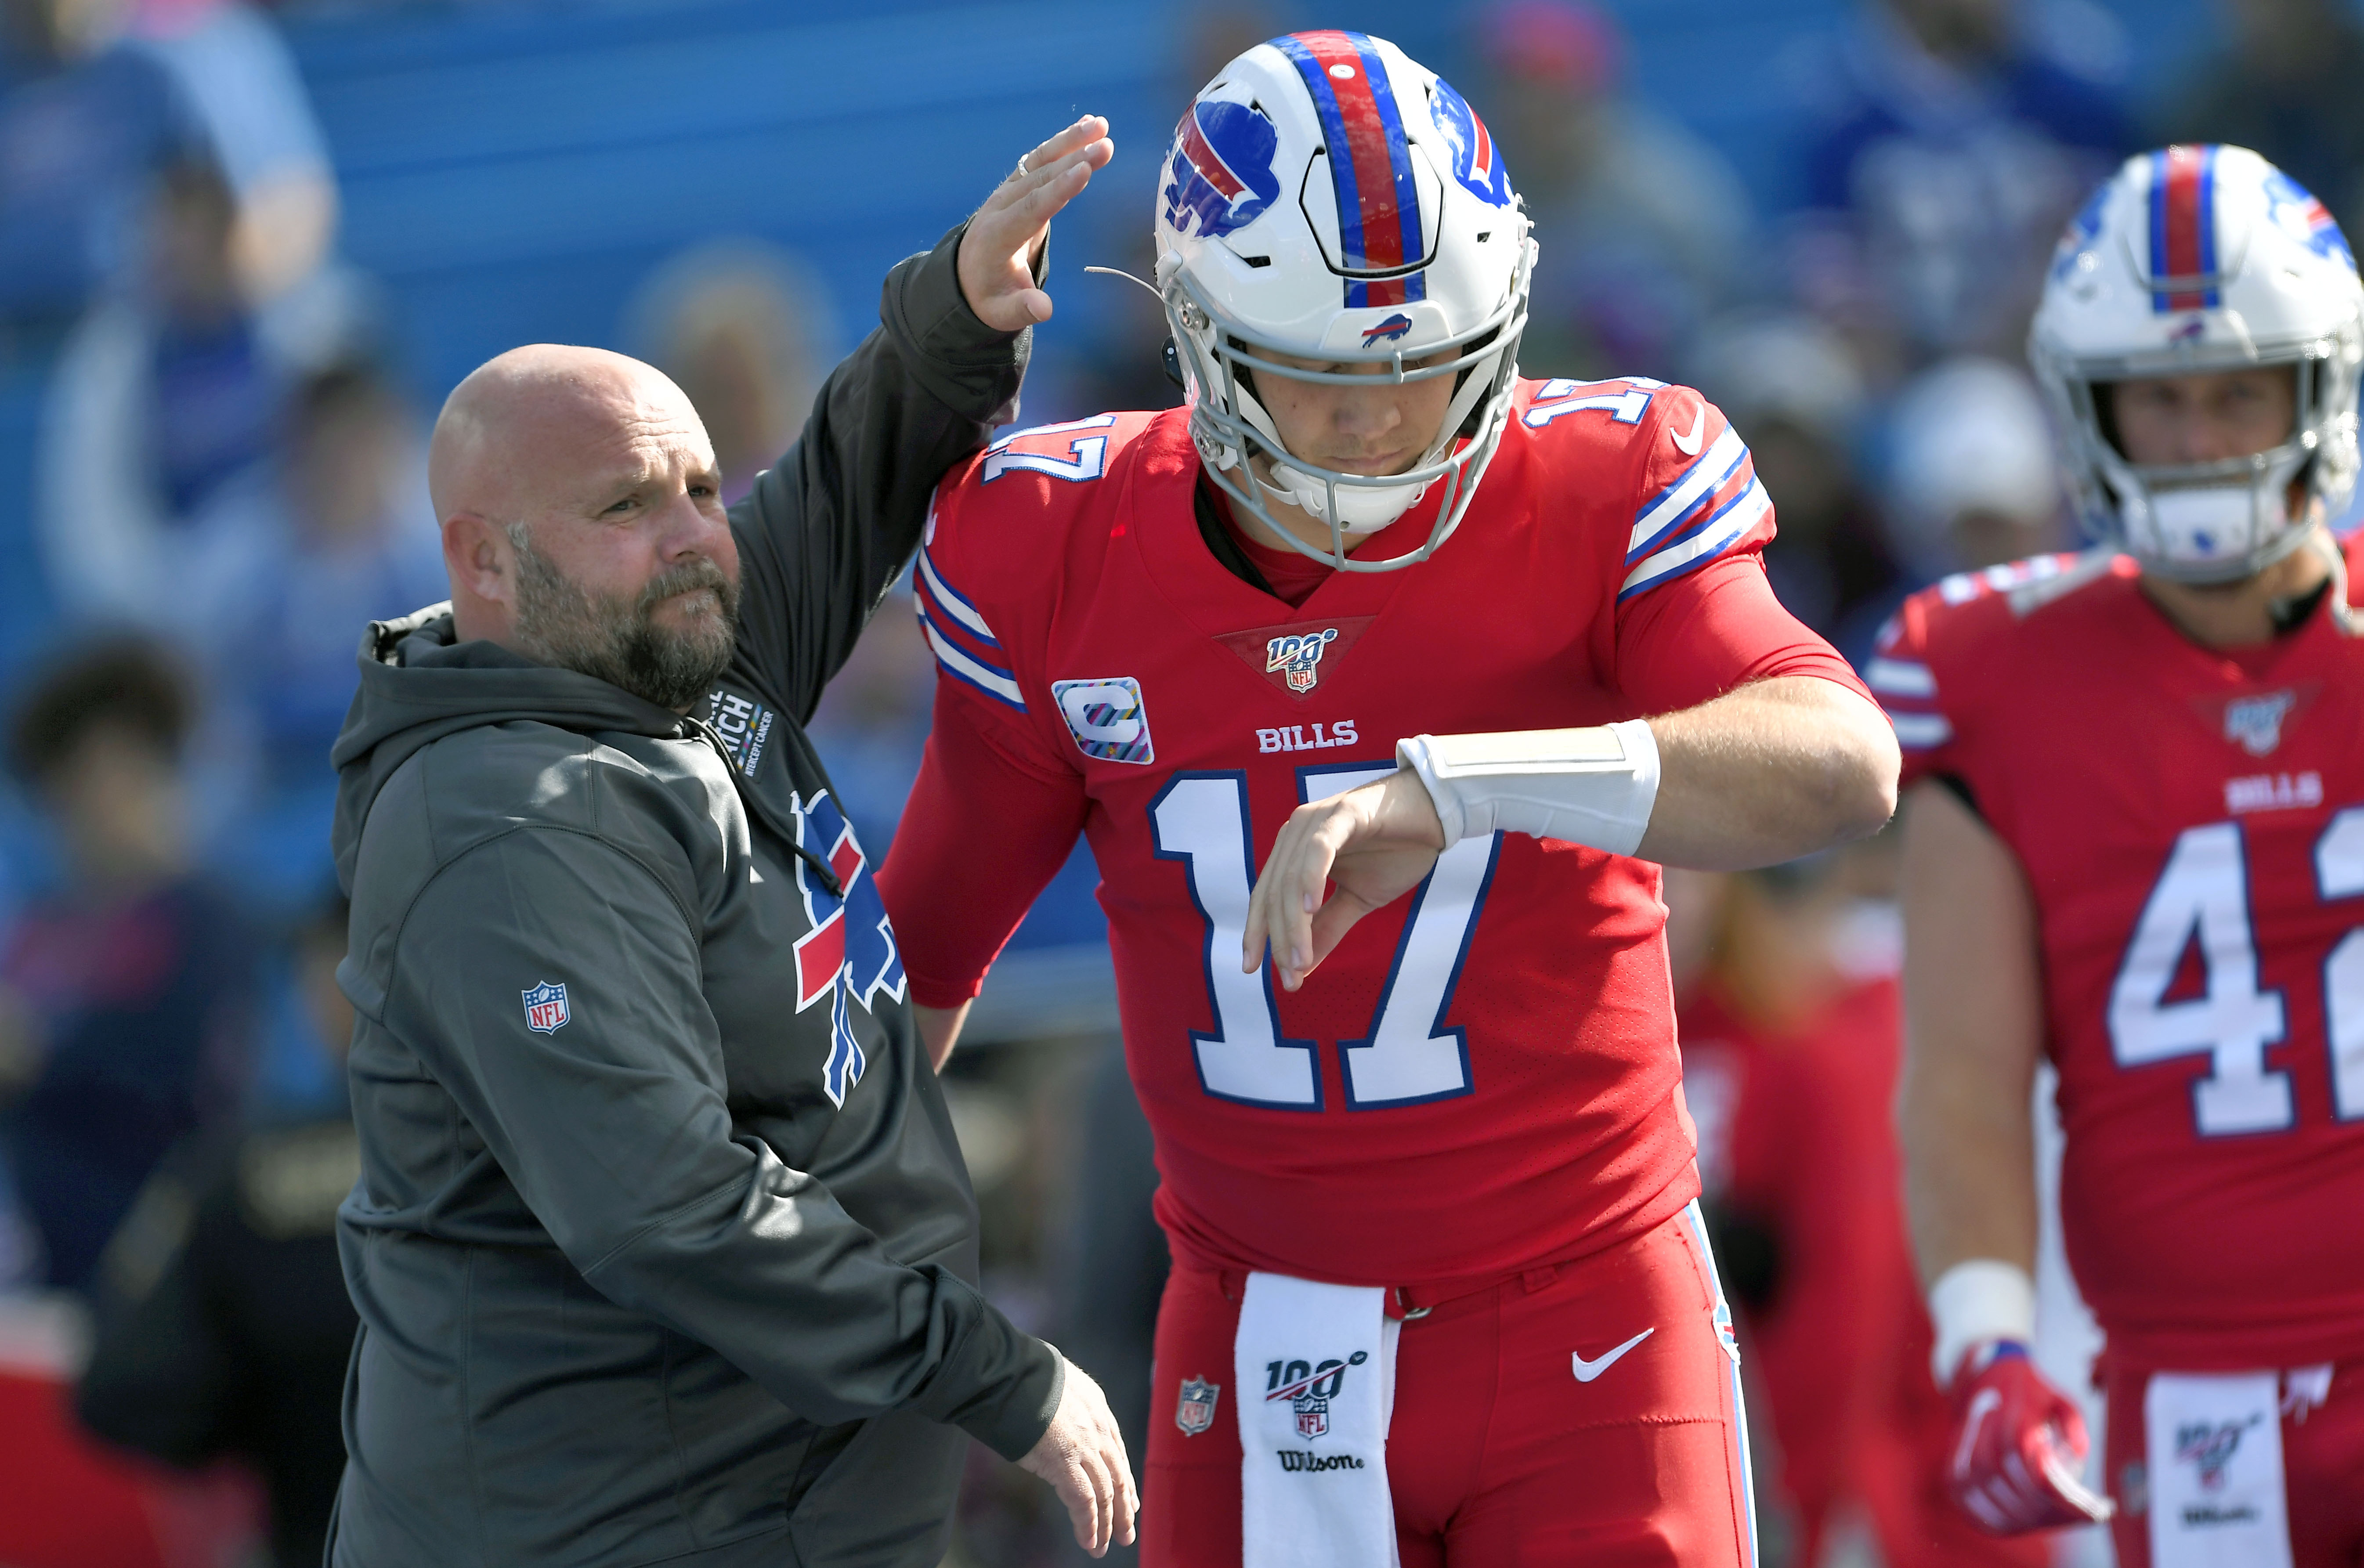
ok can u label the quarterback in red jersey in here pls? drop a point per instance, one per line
(1440, 1291)
(2134, 842)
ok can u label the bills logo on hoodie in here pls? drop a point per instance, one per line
(849, 956)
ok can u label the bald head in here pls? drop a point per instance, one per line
(598, 469)
(534, 415)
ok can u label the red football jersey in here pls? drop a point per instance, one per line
(1483, 1074)
(2191, 825)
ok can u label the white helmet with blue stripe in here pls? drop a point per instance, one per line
(1330, 199)
(2193, 260)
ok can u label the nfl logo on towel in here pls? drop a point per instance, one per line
(545, 1007)
(1313, 1416)
(1197, 1411)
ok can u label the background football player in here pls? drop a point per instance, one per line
(1453, 1130)
(2134, 841)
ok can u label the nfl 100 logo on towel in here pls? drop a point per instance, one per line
(1308, 1388)
(545, 1007)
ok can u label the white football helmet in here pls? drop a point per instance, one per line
(1330, 199)
(2192, 260)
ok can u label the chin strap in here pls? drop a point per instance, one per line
(1360, 511)
(1593, 786)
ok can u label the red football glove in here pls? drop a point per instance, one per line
(2019, 1443)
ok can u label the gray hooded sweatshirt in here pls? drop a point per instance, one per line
(662, 1247)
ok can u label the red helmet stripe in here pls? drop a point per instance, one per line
(2185, 167)
(1374, 231)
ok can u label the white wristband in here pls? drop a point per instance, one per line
(1981, 1298)
(1593, 786)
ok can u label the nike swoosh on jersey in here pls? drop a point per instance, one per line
(1586, 1371)
(1689, 445)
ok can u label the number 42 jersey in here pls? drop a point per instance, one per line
(1483, 1076)
(2191, 822)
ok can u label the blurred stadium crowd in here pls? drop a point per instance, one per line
(244, 251)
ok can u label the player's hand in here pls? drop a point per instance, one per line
(2018, 1446)
(1004, 234)
(1082, 1456)
(1373, 844)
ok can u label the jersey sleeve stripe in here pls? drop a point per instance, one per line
(1702, 478)
(1900, 678)
(1730, 492)
(1921, 731)
(984, 650)
(1724, 529)
(956, 607)
(955, 661)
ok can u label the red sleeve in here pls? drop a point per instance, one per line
(982, 836)
(1704, 633)
(1905, 677)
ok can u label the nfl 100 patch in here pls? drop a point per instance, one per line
(1106, 718)
(1297, 656)
(545, 1007)
(1196, 1413)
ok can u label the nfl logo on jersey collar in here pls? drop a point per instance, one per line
(2255, 723)
(545, 1007)
(1298, 656)
(1295, 656)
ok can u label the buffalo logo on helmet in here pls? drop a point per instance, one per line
(1476, 162)
(2291, 208)
(1309, 1387)
(2210, 1446)
(1297, 657)
(1388, 331)
(1195, 1412)
(1220, 177)
(2079, 236)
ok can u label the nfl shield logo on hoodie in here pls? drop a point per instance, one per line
(545, 1007)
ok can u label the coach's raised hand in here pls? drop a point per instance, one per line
(1006, 234)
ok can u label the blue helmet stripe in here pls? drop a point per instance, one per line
(2208, 221)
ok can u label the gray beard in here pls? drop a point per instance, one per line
(614, 639)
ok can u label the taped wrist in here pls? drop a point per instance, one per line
(1593, 786)
(1981, 1298)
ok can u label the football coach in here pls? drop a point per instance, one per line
(663, 1248)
